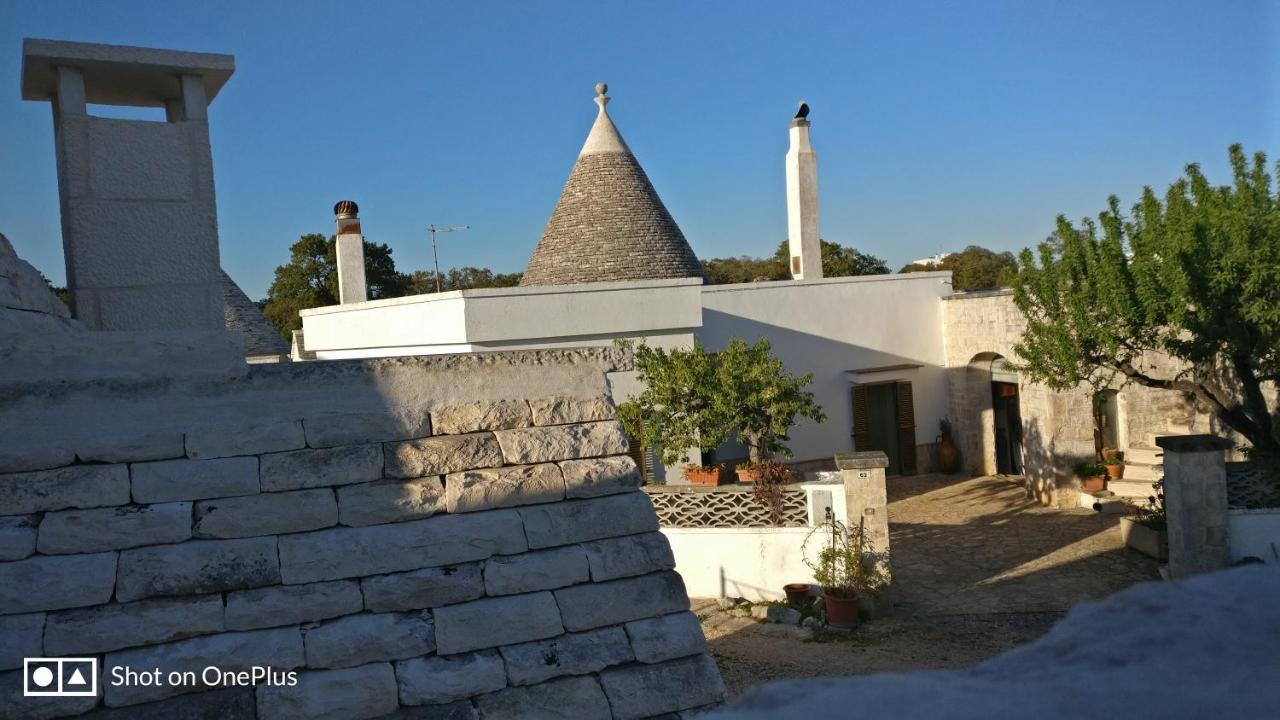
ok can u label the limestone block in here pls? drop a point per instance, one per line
(197, 567)
(483, 415)
(20, 637)
(56, 582)
(582, 520)
(292, 604)
(23, 457)
(491, 622)
(130, 448)
(667, 637)
(78, 531)
(608, 603)
(251, 438)
(14, 705)
(562, 442)
(603, 476)
(571, 654)
(378, 549)
(425, 588)
(629, 555)
(321, 468)
(352, 694)
(639, 691)
(565, 410)
(575, 698)
(233, 703)
(280, 649)
(435, 680)
(170, 480)
(369, 637)
(266, 514)
(111, 627)
(442, 455)
(388, 501)
(78, 486)
(17, 536)
(503, 487)
(325, 431)
(542, 570)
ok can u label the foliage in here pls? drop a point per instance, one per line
(310, 279)
(693, 398)
(837, 261)
(974, 268)
(1195, 275)
(58, 291)
(759, 397)
(1112, 456)
(1088, 468)
(465, 278)
(678, 408)
(1152, 514)
(771, 477)
(847, 566)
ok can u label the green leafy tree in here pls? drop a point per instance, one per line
(310, 279)
(59, 291)
(760, 398)
(837, 261)
(693, 398)
(464, 278)
(1195, 275)
(974, 268)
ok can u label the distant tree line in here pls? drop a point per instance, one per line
(837, 261)
(974, 268)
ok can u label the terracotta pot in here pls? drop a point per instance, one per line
(1115, 472)
(797, 593)
(948, 456)
(747, 474)
(1093, 483)
(703, 475)
(841, 612)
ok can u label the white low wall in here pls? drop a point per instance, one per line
(1253, 533)
(753, 563)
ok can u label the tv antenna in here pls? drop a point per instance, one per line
(435, 259)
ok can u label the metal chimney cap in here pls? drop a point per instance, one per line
(346, 209)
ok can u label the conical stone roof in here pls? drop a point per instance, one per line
(609, 224)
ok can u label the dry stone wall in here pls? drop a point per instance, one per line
(420, 554)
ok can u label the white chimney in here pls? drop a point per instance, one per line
(350, 251)
(802, 201)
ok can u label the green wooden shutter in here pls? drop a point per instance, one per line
(858, 395)
(906, 428)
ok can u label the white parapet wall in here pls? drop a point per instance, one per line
(1254, 533)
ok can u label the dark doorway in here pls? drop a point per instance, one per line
(884, 419)
(1008, 430)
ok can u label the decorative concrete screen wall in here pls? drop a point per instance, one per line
(463, 532)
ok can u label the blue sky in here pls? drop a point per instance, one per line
(937, 125)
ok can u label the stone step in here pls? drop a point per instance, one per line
(1139, 455)
(1143, 473)
(1129, 488)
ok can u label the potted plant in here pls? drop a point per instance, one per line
(948, 455)
(796, 593)
(1092, 476)
(847, 569)
(678, 409)
(1147, 528)
(1113, 462)
(761, 400)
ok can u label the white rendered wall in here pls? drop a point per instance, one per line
(752, 563)
(831, 326)
(1254, 533)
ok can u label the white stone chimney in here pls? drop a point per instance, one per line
(802, 202)
(350, 252)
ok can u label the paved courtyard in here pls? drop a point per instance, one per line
(978, 569)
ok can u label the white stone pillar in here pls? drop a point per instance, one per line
(802, 205)
(350, 252)
(1195, 501)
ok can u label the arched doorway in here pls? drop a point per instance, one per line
(993, 391)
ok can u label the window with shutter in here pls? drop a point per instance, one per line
(858, 393)
(906, 428)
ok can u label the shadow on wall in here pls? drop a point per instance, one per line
(831, 361)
